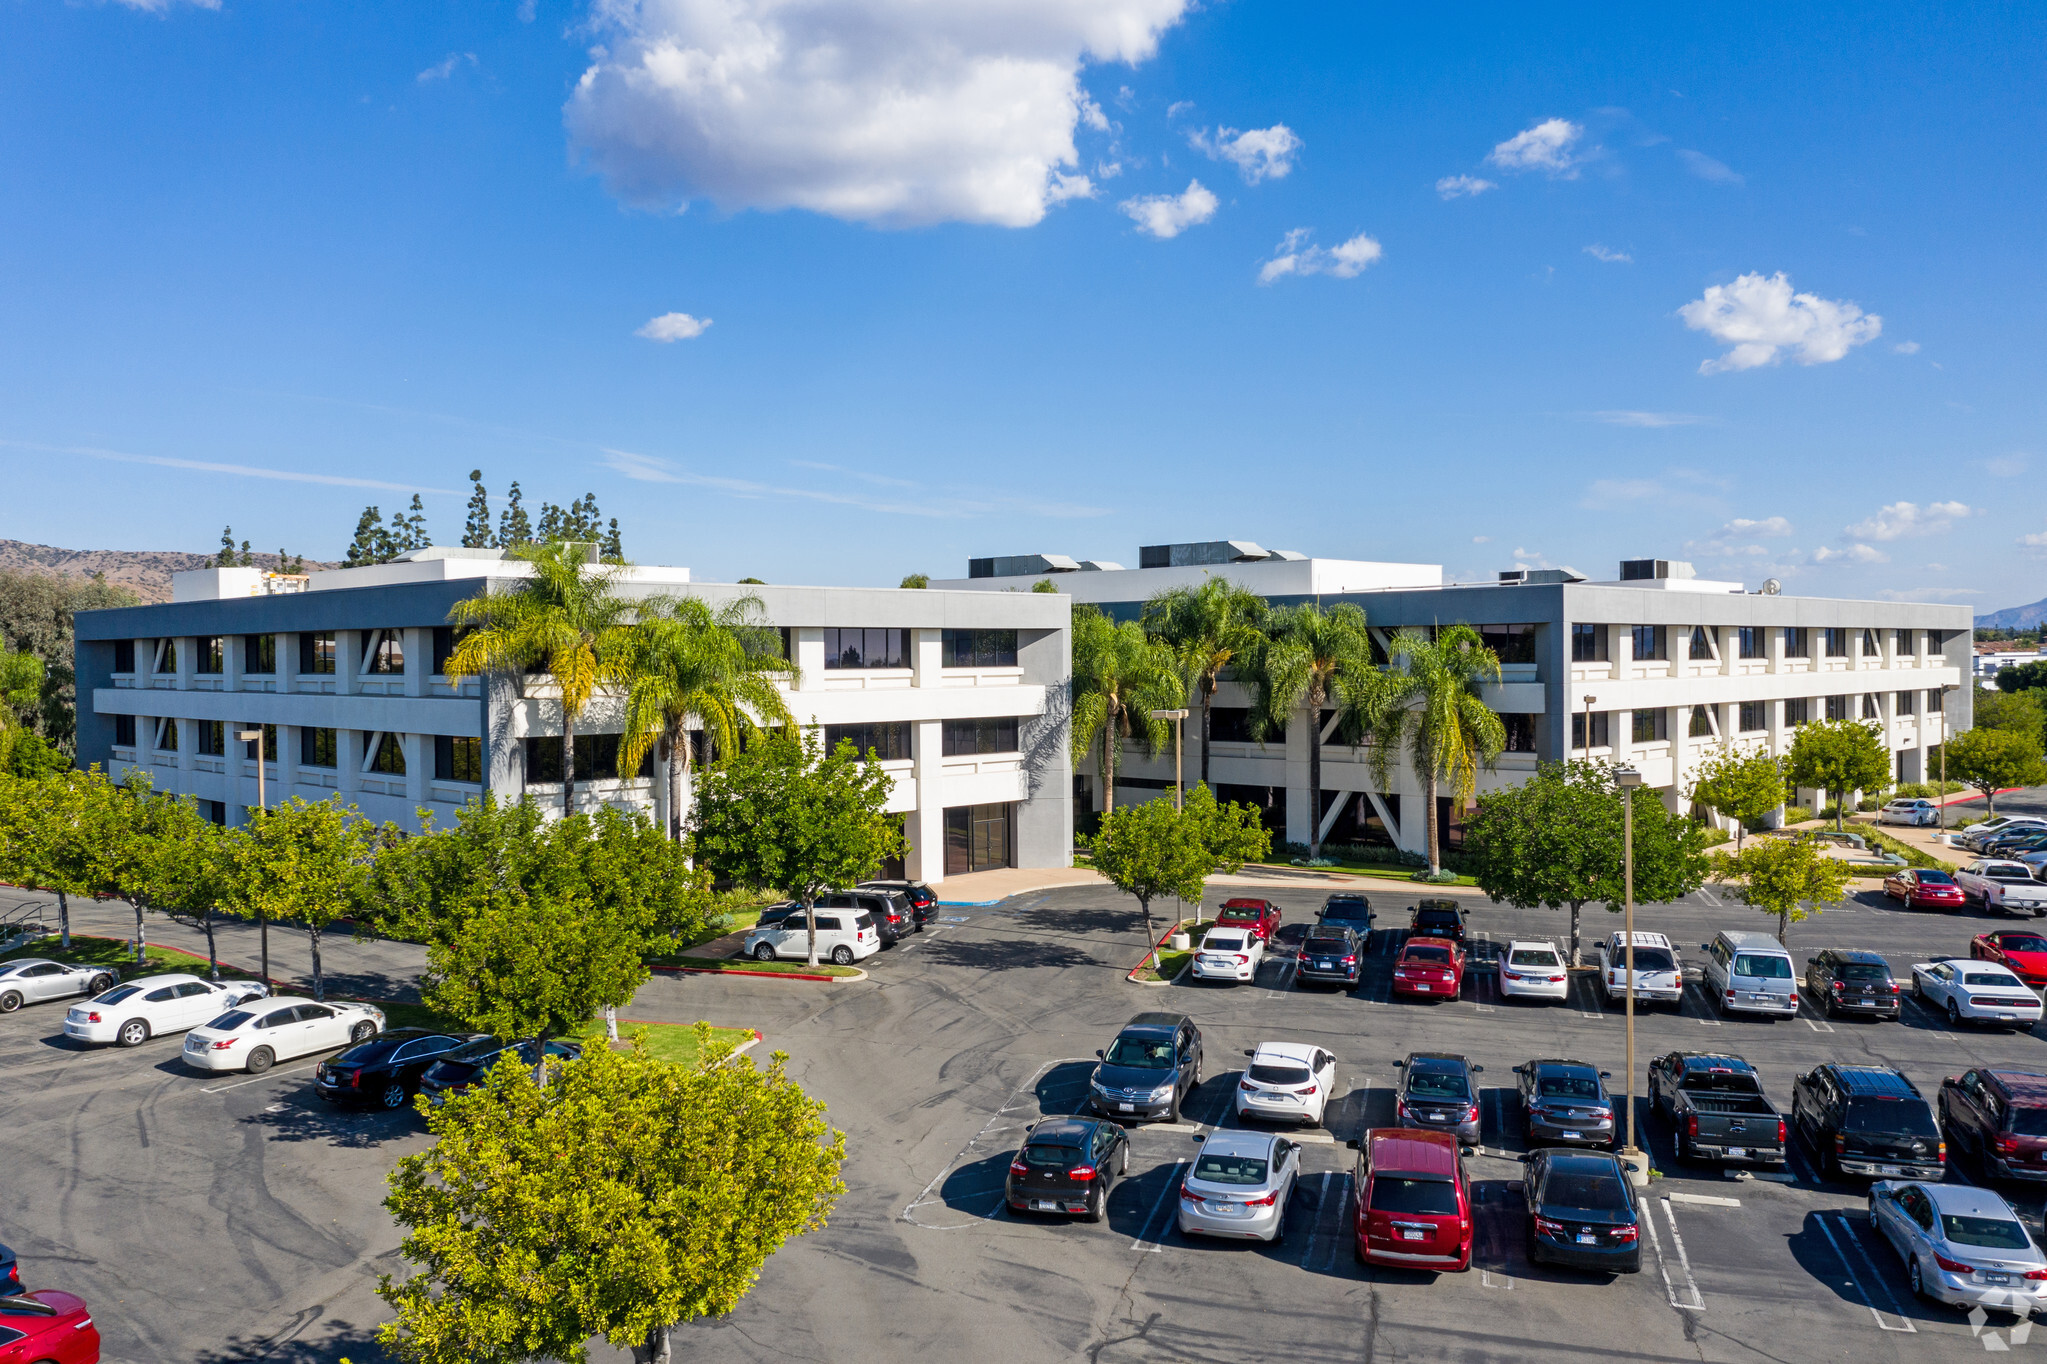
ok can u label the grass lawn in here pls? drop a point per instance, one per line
(1391, 870)
(118, 954)
(1170, 962)
(675, 1043)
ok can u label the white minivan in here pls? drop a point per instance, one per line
(1750, 973)
(844, 936)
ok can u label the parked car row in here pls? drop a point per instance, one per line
(851, 925)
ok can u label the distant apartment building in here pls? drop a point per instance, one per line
(1656, 669)
(1991, 660)
(962, 695)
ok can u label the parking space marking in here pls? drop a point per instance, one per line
(1166, 1195)
(1322, 1206)
(281, 1070)
(1697, 1303)
(1704, 1200)
(1848, 1231)
(1487, 1279)
(994, 1125)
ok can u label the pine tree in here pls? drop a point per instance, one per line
(476, 531)
(370, 540)
(413, 535)
(514, 529)
(613, 548)
(248, 559)
(589, 521)
(227, 548)
(553, 524)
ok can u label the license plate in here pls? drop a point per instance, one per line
(1890, 1169)
(1044, 1206)
(1126, 1108)
(2006, 1018)
(1990, 1276)
(1406, 1235)
(1586, 1238)
(1225, 1207)
(1737, 1152)
(1424, 987)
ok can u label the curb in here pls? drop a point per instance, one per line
(976, 904)
(757, 975)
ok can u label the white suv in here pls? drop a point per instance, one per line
(1659, 975)
(843, 937)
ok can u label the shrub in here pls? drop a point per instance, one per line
(1869, 803)
(1285, 851)
(1796, 814)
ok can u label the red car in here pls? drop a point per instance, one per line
(1919, 889)
(2023, 950)
(1253, 916)
(1429, 967)
(1413, 1204)
(48, 1327)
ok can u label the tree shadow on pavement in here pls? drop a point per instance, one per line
(306, 1118)
(997, 954)
(1087, 919)
(342, 1340)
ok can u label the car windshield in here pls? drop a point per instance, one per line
(232, 1019)
(1567, 1085)
(1402, 1193)
(2023, 942)
(1902, 1117)
(1428, 956)
(1533, 956)
(477, 1050)
(1240, 914)
(1992, 1233)
(1141, 1053)
(1862, 970)
(1048, 1157)
(1212, 943)
(1762, 965)
(1220, 1169)
(1430, 1083)
(117, 994)
(1989, 978)
(1575, 1189)
(1435, 920)
(1935, 878)
(1280, 1075)
(1648, 959)
(1346, 909)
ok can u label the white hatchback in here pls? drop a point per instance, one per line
(259, 1034)
(131, 1014)
(1533, 969)
(1229, 954)
(1287, 1082)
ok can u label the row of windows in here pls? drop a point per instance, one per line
(887, 740)
(1651, 643)
(455, 759)
(890, 740)
(383, 652)
(1650, 726)
(596, 758)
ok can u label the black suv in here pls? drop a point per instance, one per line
(1868, 1120)
(1149, 1070)
(1347, 909)
(894, 920)
(1068, 1165)
(1438, 919)
(1849, 982)
(923, 900)
(1332, 951)
(1999, 1117)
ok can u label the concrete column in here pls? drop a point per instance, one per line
(924, 826)
(419, 751)
(348, 756)
(1775, 641)
(287, 754)
(1300, 801)
(188, 744)
(187, 647)
(927, 657)
(419, 658)
(288, 667)
(808, 642)
(232, 661)
(348, 662)
(1681, 742)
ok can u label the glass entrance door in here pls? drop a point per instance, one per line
(977, 837)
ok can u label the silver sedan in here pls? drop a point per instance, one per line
(1240, 1186)
(31, 980)
(1961, 1245)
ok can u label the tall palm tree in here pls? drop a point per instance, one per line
(1120, 676)
(1432, 708)
(1208, 628)
(684, 664)
(566, 618)
(1308, 657)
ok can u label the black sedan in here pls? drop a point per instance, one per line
(386, 1069)
(1333, 953)
(470, 1062)
(1566, 1102)
(1582, 1212)
(1068, 1165)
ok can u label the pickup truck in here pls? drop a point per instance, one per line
(1718, 1107)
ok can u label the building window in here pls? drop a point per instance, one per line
(1797, 711)
(1510, 643)
(1754, 716)
(1749, 642)
(317, 748)
(166, 735)
(1601, 737)
(389, 757)
(1650, 726)
(596, 758)
(446, 637)
(969, 738)
(1702, 723)
(1836, 641)
(1902, 640)
(259, 654)
(1869, 649)
(1703, 642)
(1872, 709)
(1797, 642)
(1588, 644)
(977, 837)
(979, 649)
(208, 655)
(384, 652)
(1935, 641)
(124, 655)
(866, 648)
(1649, 643)
(457, 759)
(1837, 708)
(1520, 731)
(889, 740)
(167, 656)
(212, 738)
(269, 753)
(1908, 703)
(124, 730)
(316, 653)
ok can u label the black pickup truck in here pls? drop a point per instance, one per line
(1718, 1107)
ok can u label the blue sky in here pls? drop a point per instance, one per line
(394, 242)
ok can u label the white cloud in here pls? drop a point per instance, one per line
(674, 327)
(2037, 540)
(164, 6)
(2006, 466)
(199, 466)
(1168, 215)
(1481, 539)
(1854, 554)
(1647, 419)
(1768, 526)
(1908, 520)
(1295, 256)
(1544, 147)
(1611, 257)
(874, 111)
(1906, 348)
(1178, 107)
(1706, 168)
(1759, 317)
(1258, 154)
(1463, 186)
(445, 67)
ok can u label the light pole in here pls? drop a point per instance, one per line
(1176, 716)
(1941, 803)
(1627, 778)
(255, 736)
(1589, 699)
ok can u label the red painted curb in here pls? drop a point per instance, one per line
(758, 975)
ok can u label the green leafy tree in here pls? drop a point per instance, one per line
(1044, 585)
(1431, 708)
(515, 528)
(1151, 849)
(1743, 787)
(684, 1182)
(1782, 876)
(21, 687)
(785, 813)
(1993, 760)
(25, 753)
(409, 531)
(373, 542)
(36, 614)
(188, 873)
(614, 547)
(567, 617)
(306, 862)
(1839, 757)
(1556, 840)
(2024, 677)
(228, 557)
(919, 580)
(37, 819)
(685, 666)
(1309, 658)
(1210, 629)
(476, 530)
(2021, 712)
(1120, 676)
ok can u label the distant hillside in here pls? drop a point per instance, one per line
(2015, 617)
(146, 572)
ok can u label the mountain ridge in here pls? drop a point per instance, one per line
(2015, 617)
(145, 572)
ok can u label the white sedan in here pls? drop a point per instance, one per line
(1229, 954)
(1533, 970)
(1287, 1082)
(131, 1014)
(1970, 991)
(1918, 814)
(1996, 883)
(259, 1034)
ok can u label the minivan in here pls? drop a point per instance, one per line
(1750, 973)
(1412, 1208)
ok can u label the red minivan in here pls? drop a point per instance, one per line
(1413, 1207)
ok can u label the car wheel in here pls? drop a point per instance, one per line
(764, 952)
(1094, 1207)
(1357, 1249)
(393, 1096)
(1123, 1160)
(1913, 1277)
(134, 1033)
(99, 983)
(1827, 1005)
(842, 956)
(261, 1060)
(10, 1001)
(1279, 1226)
(1173, 1108)
(1954, 1015)
(363, 1031)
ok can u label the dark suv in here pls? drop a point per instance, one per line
(1999, 1117)
(1149, 1070)
(1348, 909)
(923, 900)
(1331, 952)
(894, 920)
(1438, 919)
(1843, 981)
(1867, 1120)
(1068, 1165)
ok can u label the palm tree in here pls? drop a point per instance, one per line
(1308, 657)
(566, 619)
(1431, 707)
(684, 664)
(1208, 628)
(1120, 676)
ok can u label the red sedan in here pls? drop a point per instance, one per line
(1260, 917)
(1429, 968)
(48, 1327)
(1919, 889)
(2023, 950)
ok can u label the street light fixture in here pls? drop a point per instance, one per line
(1589, 699)
(1176, 716)
(1941, 803)
(255, 736)
(1627, 778)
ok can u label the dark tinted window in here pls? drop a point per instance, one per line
(457, 758)
(1144, 1053)
(1935, 878)
(1994, 1233)
(1049, 1157)
(979, 649)
(2029, 1122)
(1280, 1075)
(1567, 1085)
(1599, 1191)
(1762, 966)
(1397, 1193)
(1437, 1084)
(115, 996)
(890, 739)
(867, 648)
(1647, 959)
(1873, 1113)
(229, 1021)
(1325, 942)
(1428, 956)
(1862, 970)
(1724, 1082)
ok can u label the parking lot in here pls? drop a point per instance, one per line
(224, 1218)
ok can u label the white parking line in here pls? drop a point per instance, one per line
(1171, 1192)
(282, 1070)
(1321, 1215)
(994, 1124)
(1698, 1303)
(1704, 1200)
(1848, 1230)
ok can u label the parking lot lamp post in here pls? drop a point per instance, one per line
(255, 736)
(1627, 778)
(1940, 801)
(1176, 716)
(1589, 699)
